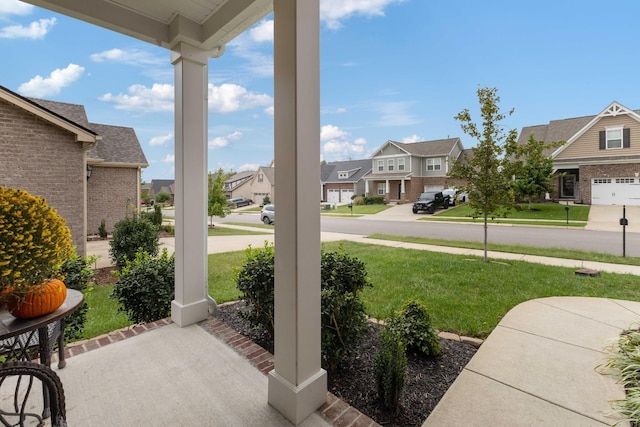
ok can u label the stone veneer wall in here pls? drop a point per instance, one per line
(46, 161)
(108, 191)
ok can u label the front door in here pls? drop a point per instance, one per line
(399, 191)
(569, 187)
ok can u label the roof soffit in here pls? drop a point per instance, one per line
(614, 109)
(205, 24)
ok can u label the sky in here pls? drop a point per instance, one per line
(397, 70)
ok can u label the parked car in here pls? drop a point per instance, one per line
(239, 202)
(268, 214)
(429, 201)
(455, 196)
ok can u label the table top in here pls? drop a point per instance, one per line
(11, 326)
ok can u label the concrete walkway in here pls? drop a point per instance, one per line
(539, 367)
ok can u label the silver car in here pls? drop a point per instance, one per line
(268, 214)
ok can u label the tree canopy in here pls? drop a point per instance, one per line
(217, 199)
(488, 187)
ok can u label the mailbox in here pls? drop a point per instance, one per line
(624, 221)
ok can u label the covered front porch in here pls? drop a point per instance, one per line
(159, 374)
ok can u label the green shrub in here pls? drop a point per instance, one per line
(266, 200)
(168, 229)
(162, 197)
(77, 273)
(145, 287)
(256, 282)
(414, 326)
(154, 217)
(102, 230)
(373, 200)
(358, 200)
(390, 367)
(344, 319)
(130, 235)
(623, 362)
(343, 314)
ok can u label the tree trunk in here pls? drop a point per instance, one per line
(486, 258)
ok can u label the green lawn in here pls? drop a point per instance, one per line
(540, 211)
(219, 230)
(463, 294)
(358, 210)
(103, 315)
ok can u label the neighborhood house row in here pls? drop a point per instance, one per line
(91, 172)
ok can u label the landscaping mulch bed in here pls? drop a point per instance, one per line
(427, 379)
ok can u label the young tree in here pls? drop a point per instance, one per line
(217, 201)
(487, 186)
(531, 169)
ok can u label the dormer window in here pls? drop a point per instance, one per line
(343, 175)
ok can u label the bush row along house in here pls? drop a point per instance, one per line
(599, 163)
(88, 172)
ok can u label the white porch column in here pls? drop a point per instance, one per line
(297, 385)
(190, 67)
(366, 187)
(402, 186)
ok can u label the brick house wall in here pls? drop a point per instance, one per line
(43, 159)
(109, 190)
(587, 173)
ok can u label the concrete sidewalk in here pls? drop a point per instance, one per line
(539, 367)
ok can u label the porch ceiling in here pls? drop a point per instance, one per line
(205, 24)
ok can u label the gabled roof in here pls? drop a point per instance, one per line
(357, 169)
(80, 130)
(569, 130)
(269, 173)
(241, 176)
(158, 185)
(434, 148)
(119, 145)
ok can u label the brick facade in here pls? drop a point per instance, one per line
(587, 173)
(109, 191)
(46, 161)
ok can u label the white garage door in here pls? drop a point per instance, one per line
(615, 191)
(333, 196)
(346, 196)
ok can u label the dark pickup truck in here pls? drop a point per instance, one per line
(429, 201)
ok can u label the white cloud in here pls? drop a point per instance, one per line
(262, 32)
(248, 167)
(333, 12)
(128, 56)
(270, 110)
(229, 98)
(14, 7)
(226, 98)
(157, 98)
(338, 144)
(341, 110)
(412, 138)
(170, 158)
(160, 140)
(36, 30)
(47, 86)
(223, 141)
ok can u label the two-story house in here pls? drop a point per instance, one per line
(600, 161)
(401, 171)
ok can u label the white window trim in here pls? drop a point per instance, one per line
(401, 164)
(621, 139)
(391, 166)
(380, 166)
(382, 188)
(436, 164)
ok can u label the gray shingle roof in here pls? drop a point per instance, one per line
(158, 185)
(71, 112)
(356, 168)
(437, 147)
(269, 173)
(119, 145)
(556, 130)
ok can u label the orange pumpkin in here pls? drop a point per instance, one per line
(42, 300)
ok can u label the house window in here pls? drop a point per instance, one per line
(260, 177)
(382, 187)
(343, 175)
(400, 164)
(380, 165)
(433, 164)
(390, 165)
(614, 138)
